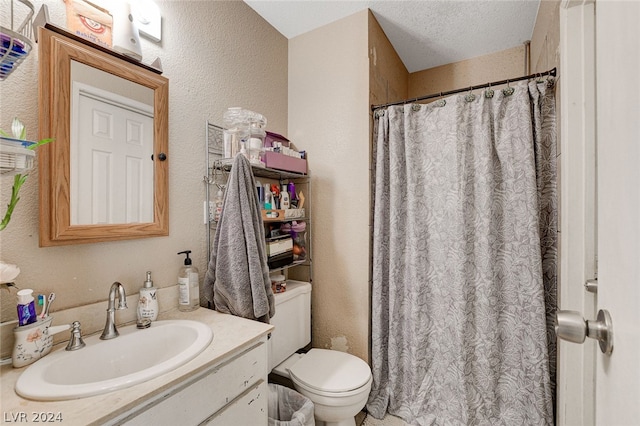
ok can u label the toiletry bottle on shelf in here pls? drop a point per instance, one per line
(188, 285)
(243, 150)
(260, 192)
(218, 201)
(293, 198)
(148, 301)
(284, 198)
(268, 198)
(275, 197)
(26, 307)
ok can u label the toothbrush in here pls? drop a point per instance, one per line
(52, 297)
(43, 303)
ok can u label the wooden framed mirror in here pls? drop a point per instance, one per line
(105, 176)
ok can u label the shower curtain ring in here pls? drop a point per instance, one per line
(509, 90)
(550, 80)
(470, 97)
(489, 92)
(440, 102)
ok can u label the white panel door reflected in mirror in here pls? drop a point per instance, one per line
(111, 149)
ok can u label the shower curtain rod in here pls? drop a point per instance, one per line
(551, 72)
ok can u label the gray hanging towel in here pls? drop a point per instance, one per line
(237, 280)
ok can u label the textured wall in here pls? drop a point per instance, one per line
(475, 71)
(216, 54)
(328, 116)
(545, 41)
(388, 77)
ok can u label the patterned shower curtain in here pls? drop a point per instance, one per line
(464, 259)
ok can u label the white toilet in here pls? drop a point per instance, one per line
(336, 382)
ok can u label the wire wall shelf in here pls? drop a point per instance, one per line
(15, 157)
(15, 39)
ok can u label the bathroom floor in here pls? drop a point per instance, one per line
(362, 419)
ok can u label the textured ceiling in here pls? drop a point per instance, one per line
(425, 33)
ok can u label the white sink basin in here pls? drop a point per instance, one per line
(107, 365)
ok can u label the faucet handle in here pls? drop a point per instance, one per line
(75, 342)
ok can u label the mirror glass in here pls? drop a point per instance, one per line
(111, 148)
(105, 175)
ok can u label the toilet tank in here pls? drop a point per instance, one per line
(292, 322)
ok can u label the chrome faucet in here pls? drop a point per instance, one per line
(110, 331)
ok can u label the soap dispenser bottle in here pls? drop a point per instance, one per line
(148, 301)
(188, 285)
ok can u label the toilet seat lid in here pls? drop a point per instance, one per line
(331, 371)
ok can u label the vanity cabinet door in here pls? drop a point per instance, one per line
(233, 386)
(248, 409)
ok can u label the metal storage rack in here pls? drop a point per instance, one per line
(15, 38)
(218, 168)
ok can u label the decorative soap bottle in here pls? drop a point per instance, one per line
(188, 285)
(148, 301)
(218, 201)
(284, 198)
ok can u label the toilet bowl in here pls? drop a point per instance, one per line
(336, 382)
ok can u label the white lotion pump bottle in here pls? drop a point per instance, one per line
(188, 285)
(148, 301)
(284, 198)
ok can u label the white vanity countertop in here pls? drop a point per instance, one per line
(230, 334)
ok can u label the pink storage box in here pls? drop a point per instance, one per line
(274, 137)
(275, 160)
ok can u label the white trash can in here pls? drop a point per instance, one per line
(289, 408)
